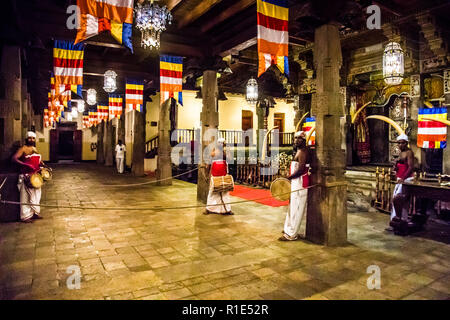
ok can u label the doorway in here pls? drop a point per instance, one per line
(65, 142)
(278, 121)
(247, 124)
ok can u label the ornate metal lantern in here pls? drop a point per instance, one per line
(393, 65)
(74, 112)
(91, 97)
(151, 20)
(80, 106)
(110, 81)
(252, 92)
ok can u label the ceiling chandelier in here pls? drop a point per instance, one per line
(252, 92)
(151, 20)
(393, 66)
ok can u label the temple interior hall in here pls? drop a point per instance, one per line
(225, 150)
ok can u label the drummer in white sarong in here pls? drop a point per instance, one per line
(30, 162)
(218, 202)
(298, 176)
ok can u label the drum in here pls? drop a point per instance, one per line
(36, 181)
(281, 189)
(46, 174)
(223, 183)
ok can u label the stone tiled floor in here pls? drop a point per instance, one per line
(160, 253)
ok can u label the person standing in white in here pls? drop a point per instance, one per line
(120, 156)
(299, 198)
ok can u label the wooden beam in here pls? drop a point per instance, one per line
(231, 11)
(198, 11)
(170, 4)
(104, 44)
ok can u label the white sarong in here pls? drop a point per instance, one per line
(120, 164)
(398, 190)
(28, 195)
(297, 205)
(217, 201)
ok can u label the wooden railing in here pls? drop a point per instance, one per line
(284, 138)
(183, 135)
(151, 146)
(258, 174)
(234, 137)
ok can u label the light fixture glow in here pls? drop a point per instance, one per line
(393, 64)
(110, 81)
(91, 97)
(252, 92)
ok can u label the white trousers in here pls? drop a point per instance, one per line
(297, 208)
(217, 201)
(398, 190)
(28, 195)
(119, 164)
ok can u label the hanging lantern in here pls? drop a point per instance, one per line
(80, 106)
(393, 65)
(91, 97)
(110, 81)
(74, 112)
(252, 92)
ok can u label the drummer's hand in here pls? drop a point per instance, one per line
(400, 180)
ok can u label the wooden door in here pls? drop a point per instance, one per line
(278, 121)
(247, 124)
(53, 145)
(77, 145)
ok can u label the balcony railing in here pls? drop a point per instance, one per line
(234, 137)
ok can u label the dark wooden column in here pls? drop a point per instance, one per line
(210, 121)
(327, 203)
(100, 150)
(137, 162)
(108, 144)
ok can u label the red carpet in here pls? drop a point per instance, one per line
(252, 193)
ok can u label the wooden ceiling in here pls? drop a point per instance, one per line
(200, 28)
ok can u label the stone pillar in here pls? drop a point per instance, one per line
(209, 118)
(108, 144)
(10, 105)
(327, 202)
(137, 163)
(164, 162)
(100, 148)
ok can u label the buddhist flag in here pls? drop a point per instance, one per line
(102, 111)
(91, 26)
(134, 95)
(432, 134)
(115, 10)
(85, 120)
(309, 123)
(171, 78)
(63, 94)
(115, 106)
(68, 62)
(46, 118)
(273, 36)
(77, 89)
